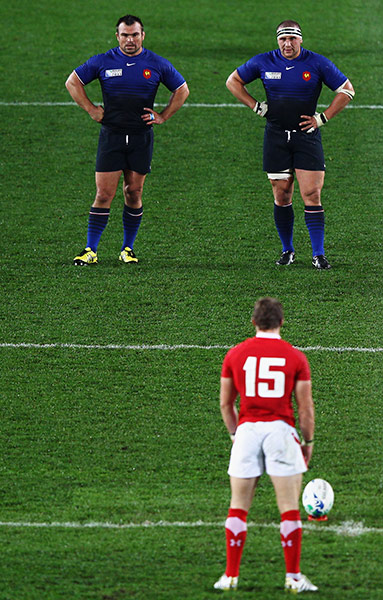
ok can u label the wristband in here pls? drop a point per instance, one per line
(307, 443)
(320, 118)
(232, 436)
(260, 108)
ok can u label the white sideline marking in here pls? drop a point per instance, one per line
(347, 528)
(340, 349)
(172, 347)
(186, 105)
(113, 346)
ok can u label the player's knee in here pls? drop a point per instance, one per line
(282, 197)
(282, 191)
(312, 195)
(104, 197)
(133, 195)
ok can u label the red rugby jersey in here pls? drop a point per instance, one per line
(264, 370)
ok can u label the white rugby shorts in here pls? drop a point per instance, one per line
(271, 446)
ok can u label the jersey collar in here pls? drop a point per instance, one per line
(264, 334)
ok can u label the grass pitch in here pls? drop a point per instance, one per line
(94, 436)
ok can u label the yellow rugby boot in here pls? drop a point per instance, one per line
(86, 257)
(127, 256)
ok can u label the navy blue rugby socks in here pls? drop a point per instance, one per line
(98, 220)
(284, 222)
(314, 218)
(131, 219)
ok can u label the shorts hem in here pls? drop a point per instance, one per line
(245, 476)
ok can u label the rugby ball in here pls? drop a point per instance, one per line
(318, 498)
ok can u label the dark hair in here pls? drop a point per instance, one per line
(268, 314)
(289, 23)
(129, 20)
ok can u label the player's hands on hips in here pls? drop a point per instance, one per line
(309, 124)
(152, 117)
(97, 113)
(316, 121)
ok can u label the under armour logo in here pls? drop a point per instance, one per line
(234, 543)
(289, 543)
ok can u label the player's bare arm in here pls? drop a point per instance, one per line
(343, 96)
(237, 87)
(306, 417)
(229, 412)
(176, 100)
(77, 91)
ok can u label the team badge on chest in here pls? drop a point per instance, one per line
(147, 73)
(306, 75)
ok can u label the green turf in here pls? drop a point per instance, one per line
(133, 436)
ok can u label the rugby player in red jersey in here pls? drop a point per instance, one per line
(264, 372)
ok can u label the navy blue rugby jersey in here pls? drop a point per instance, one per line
(128, 85)
(292, 86)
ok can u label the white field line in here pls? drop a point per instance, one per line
(186, 105)
(347, 528)
(172, 347)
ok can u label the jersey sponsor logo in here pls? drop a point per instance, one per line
(147, 73)
(130, 64)
(113, 73)
(288, 68)
(306, 75)
(273, 75)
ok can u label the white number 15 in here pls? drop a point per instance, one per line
(265, 389)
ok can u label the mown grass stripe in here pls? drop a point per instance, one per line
(346, 528)
(172, 347)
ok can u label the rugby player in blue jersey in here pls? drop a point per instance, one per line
(129, 76)
(292, 77)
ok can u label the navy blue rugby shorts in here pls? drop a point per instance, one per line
(292, 150)
(119, 151)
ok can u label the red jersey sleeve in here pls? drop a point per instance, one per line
(226, 370)
(303, 371)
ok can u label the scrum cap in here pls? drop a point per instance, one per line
(289, 31)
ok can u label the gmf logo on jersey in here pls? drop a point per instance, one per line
(306, 75)
(147, 73)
